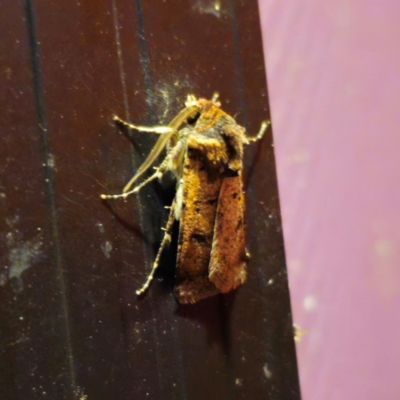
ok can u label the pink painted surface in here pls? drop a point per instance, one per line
(334, 79)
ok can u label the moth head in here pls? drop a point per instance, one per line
(192, 100)
(200, 107)
(204, 104)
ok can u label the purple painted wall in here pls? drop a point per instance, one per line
(334, 79)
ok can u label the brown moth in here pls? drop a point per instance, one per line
(205, 152)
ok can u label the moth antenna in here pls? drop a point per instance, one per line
(167, 132)
(166, 239)
(153, 129)
(260, 134)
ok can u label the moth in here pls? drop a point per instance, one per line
(205, 153)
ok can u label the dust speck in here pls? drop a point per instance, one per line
(212, 7)
(79, 394)
(21, 256)
(267, 371)
(50, 161)
(100, 226)
(107, 247)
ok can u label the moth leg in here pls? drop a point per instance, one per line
(124, 195)
(260, 134)
(166, 239)
(157, 175)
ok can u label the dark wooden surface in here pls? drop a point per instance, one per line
(70, 323)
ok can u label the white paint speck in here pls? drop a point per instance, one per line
(386, 267)
(310, 303)
(295, 265)
(384, 248)
(300, 156)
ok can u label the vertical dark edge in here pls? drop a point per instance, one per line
(148, 86)
(240, 79)
(153, 118)
(239, 62)
(48, 176)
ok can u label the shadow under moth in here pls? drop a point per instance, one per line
(205, 153)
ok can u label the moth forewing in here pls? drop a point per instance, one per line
(200, 187)
(228, 255)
